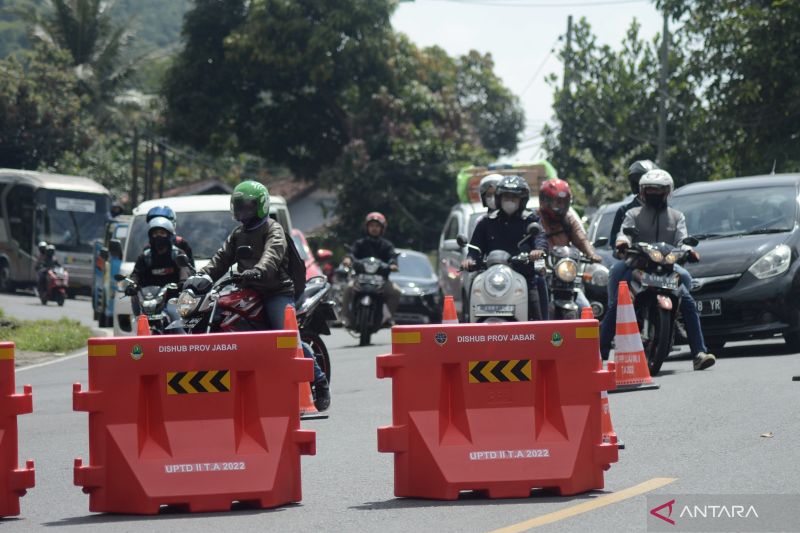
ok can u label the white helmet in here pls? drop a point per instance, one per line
(657, 178)
(490, 181)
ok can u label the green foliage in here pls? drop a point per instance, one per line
(41, 115)
(45, 335)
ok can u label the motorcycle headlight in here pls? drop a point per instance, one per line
(371, 268)
(655, 255)
(497, 282)
(672, 258)
(149, 306)
(596, 275)
(187, 303)
(772, 263)
(566, 270)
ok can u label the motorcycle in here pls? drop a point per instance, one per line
(656, 292)
(499, 293)
(368, 312)
(151, 301)
(595, 283)
(229, 307)
(57, 281)
(569, 272)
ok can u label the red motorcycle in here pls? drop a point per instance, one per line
(56, 284)
(229, 307)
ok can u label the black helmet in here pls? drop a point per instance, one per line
(637, 170)
(515, 186)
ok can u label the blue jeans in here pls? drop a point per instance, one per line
(274, 307)
(621, 272)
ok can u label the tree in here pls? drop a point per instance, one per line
(41, 115)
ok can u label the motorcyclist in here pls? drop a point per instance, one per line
(267, 271)
(656, 222)
(486, 189)
(373, 245)
(562, 227)
(156, 264)
(635, 173)
(503, 229)
(44, 262)
(167, 212)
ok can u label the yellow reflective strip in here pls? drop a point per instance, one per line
(184, 382)
(487, 372)
(102, 350)
(170, 390)
(410, 337)
(587, 333)
(206, 381)
(508, 368)
(226, 380)
(472, 378)
(527, 369)
(7, 353)
(287, 342)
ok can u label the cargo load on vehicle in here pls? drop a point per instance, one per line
(469, 178)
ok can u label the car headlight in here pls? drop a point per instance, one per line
(772, 263)
(655, 255)
(497, 282)
(187, 303)
(566, 270)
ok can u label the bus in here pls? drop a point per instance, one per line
(69, 212)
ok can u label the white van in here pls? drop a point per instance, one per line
(205, 221)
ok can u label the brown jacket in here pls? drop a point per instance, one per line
(269, 255)
(559, 234)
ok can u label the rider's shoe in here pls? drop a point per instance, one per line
(704, 360)
(322, 394)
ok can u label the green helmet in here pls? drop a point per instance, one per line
(250, 199)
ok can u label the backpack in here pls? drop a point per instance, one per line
(296, 267)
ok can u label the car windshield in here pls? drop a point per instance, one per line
(414, 266)
(298, 243)
(749, 211)
(71, 220)
(205, 231)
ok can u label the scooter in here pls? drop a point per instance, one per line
(499, 293)
(368, 311)
(656, 290)
(151, 301)
(228, 307)
(57, 281)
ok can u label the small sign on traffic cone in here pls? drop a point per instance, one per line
(142, 326)
(632, 372)
(307, 408)
(449, 315)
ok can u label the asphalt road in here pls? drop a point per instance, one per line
(26, 305)
(703, 429)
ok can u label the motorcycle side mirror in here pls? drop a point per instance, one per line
(182, 260)
(115, 248)
(690, 241)
(462, 241)
(323, 254)
(103, 254)
(244, 252)
(601, 241)
(534, 229)
(631, 232)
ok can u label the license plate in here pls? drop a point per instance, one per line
(663, 282)
(494, 310)
(709, 307)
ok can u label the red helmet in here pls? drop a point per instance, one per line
(376, 217)
(555, 198)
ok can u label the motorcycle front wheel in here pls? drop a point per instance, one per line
(658, 338)
(60, 300)
(364, 322)
(320, 353)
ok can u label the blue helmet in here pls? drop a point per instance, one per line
(161, 211)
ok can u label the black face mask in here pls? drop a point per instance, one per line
(160, 243)
(656, 201)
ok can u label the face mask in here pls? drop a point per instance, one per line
(509, 207)
(159, 243)
(490, 203)
(655, 201)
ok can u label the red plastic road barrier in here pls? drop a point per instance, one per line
(193, 421)
(501, 408)
(14, 482)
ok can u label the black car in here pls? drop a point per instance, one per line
(421, 296)
(747, 283)
(600, 226)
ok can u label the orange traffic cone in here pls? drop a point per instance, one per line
(632, 372)
(449, 315)
(142, 326)
(306, 398)
(609, 435)
(587, 314)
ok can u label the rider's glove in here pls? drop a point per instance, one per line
(535, 255)
(199, 284)
(131, 289)
(252, 274)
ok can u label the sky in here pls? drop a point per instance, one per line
(522, 37)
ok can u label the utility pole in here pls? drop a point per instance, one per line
(663, 94)
(568, 54)
(135, 169)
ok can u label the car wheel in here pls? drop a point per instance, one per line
(5, 279)
(792, 340)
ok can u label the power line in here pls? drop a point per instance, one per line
(490, 3)
(539, 69)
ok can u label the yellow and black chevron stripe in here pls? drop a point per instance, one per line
(196, 381)
(499, 371)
